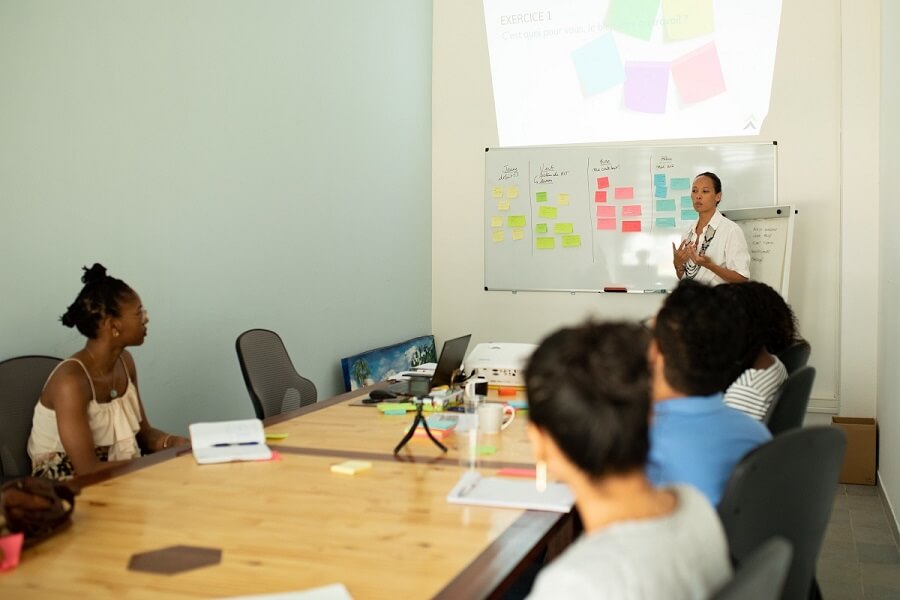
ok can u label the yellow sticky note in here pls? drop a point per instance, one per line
(571, 241)
(545, 243)
(562, 228)
(351, 467)
(515, 221)
(547, 212)
(503, 205)
(276, 436)
(540, 196)
(496, 221)
(498, 235)
(497, 191)
(540, 228)
(518, 234)
(563, 200)
(687, 19)
(512, 191)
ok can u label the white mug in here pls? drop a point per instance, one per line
(492, 417)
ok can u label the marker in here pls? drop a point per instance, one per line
(660, 291)
(226, 444)
(618, 289)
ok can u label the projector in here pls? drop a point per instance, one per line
(501, 363)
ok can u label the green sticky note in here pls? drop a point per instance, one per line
(665, 205)
(540, 228)
(665, 222)
(547, 212)
(540, 197)
(515, 221)
(689, 215)
(571, 241)
(545, 243)
(562, 228)
(487, 450)
(633, 17)
(686, 202)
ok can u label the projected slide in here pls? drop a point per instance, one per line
(577, 71)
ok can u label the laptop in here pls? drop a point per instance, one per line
(451, 358)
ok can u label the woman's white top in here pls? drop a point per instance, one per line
(755, 389)
(723, 242)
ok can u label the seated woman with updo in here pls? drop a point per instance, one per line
(89, 413)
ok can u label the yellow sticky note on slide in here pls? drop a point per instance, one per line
(496, 221)
(351, 467)
(563, 200)
(515, 220)
(571, 241)
(512, 191)
(562, 228)
(517, 234)
(498, 235)
(545, 243)
(497, 192)
(547, 212)
(503, 205)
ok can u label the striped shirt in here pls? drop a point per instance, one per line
(754, 389)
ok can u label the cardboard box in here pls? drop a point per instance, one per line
(859, 461)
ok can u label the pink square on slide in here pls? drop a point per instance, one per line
(600, 196)
(631, 226)
(631, 211)
(606, 212)
(698, 74)
(624, 193)
(606, 224)
(602, 183)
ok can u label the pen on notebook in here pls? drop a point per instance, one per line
(225, 444)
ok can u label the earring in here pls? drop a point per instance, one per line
(115, 333)
(540, 476)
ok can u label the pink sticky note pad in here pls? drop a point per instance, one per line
(631, 211)
(646, 86)
(606, 212)
(513, 472)
(624, 193)
(606, 224)
(602, 183)
(275, 455)
(12, 549)
(631, 226)
(600, 196)
(698, 74)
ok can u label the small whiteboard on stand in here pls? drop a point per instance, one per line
(769, 232)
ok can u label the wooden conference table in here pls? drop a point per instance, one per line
(292, 524)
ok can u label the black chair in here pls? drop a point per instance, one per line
(272, 381)
(785, 488)
(795, 356)
(788, 409)
(21, 381)
(761, 576)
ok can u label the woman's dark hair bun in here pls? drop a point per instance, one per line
(95, 274)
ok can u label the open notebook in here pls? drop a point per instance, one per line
(504, 492)
(229, 441)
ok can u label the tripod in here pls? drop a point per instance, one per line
(420, 419)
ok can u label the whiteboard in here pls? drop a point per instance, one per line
(585, 218)
(770, 235)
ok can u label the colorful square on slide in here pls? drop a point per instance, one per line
(665, 222)
(606, 224)
(624, 193)
(545, 243)
(598, 65)
(563, 199)
(633, 17)
(600, 196)
(606, 212)
(681, 183)
(646, 86)
(686, 19)
(667, 205)
(631, 226)
(659, 180)
(633, 210)
(602, 183)
(698, 74)
(540, 228)
(660, 191)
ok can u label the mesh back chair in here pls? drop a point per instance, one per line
(762, 575)
(785, 488)
(273, 383)
(21, 381)
(795, 356)
(789, 407)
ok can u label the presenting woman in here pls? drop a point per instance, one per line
(714, 251)
(89, 413)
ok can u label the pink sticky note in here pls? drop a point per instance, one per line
(631, 211)
(602, 183)
(631, 226)
(646, 86)
(624, 193)
(11, 545)
(606, 224)
(599, 196)
(606, 212)
(698, 74)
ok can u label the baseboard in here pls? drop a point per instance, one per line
(891, 513)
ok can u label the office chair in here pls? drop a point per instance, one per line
(795, 356)
(762, 575)
(785, 488)
(788, 409)
(273, 383)
(21, 381)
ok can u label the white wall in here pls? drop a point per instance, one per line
(807, 120)
(240, 164)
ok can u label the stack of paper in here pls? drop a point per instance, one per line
(229, 441)
(502, 492)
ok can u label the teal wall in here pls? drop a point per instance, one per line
(240, 164)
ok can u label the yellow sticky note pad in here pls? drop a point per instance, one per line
(498, 235)
(503, 205)
(562, 228)
(515, 220)
(512, 191)
(496, 221)
(497, 191)
(563, 200)
(276, 436)
(351, 467)
(571, 241)
(540, 228)
(517, 234)
(547, 212)
(545, 243)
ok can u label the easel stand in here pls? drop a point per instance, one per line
(420, 419)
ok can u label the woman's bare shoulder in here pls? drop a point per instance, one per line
(69, 383)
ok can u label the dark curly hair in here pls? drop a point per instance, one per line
(702, 334)
(99, 298)
(589, 389)
(773, 323)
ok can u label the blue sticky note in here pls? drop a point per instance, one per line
(686, 202)
(665, 222)
(659, 179)
(665, 205)
(689, 215)
(598, 65)
(681, 183)
(661, 191)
